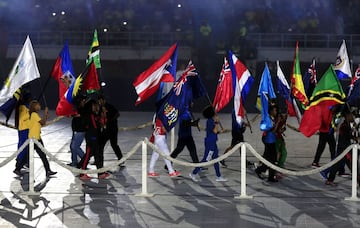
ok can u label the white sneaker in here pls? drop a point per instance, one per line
(221, 179)
(193, 177)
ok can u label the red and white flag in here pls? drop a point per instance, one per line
(163, 70)
(224, 89)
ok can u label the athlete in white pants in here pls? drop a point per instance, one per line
(159, 139)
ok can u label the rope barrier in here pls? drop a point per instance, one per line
(22, 147)
(190, 164)
(242, 145)
(82, 171)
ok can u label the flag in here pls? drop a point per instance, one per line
(63, 73)
(24, 70)
(297, 86)
(342, 63)
(224, 90)
(266, 93)
(284, 90)
(8, 107)
(327, 93)
(187, 88)
(87, 82)
(163, 70)
(353, 97)
(242, 82)
(309, 79)
(94, 52)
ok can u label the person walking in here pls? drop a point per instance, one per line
(185, 137)
(211, 150)
(269, 139)
(92, 129)
(158, 137)
(35, 124)
(78, 136)
(110, 131)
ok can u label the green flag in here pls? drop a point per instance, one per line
(328, 88)
(94, 52)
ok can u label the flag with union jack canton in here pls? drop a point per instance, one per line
(187, 88)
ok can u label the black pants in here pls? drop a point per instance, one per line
(112, 135)
(92, 149)
(325, 137)
(190, 144)
(270, 155)
(42, 156)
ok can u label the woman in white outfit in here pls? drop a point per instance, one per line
(159, 139)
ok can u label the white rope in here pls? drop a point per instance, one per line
(176, 161)
(298, 173)
(189, 164)
(76, 170)
(22, 147)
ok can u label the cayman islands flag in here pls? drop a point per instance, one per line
(163, 70)
(185, 89)
(342, 63)
(242, 82)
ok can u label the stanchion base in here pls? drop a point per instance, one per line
(243, 197)
(355, 199)
(144, 195)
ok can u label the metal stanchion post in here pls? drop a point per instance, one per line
(31, 169)
(144, 192)
(243, 194)
(354, 175)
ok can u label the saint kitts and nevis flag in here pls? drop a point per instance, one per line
(163, 70)
(186, 89)
(326, 94)
(24, 70)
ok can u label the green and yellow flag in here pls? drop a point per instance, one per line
(94, 52)
(297, 85)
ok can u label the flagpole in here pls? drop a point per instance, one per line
(43, 89)
(247, 119)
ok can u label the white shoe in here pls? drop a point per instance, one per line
(193, 177)
(221, 179)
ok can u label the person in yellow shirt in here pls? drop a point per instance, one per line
(35, 124)
(22, 124)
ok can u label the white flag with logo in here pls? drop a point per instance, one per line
(24, 70)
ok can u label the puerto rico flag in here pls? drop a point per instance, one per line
(163, 70)
(242, 82)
